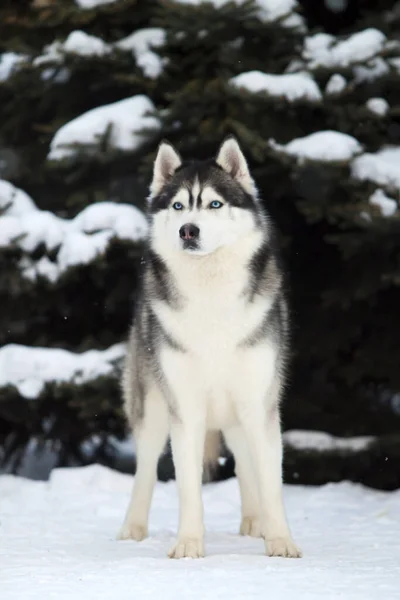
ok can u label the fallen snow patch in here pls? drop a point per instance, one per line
(29, 369)
(324, 442)
(387, 206)
(324, 50)
(378, 106)
(381, 167)
(124, 120)
(325, 146)
(9, 61)
(140, 43)
(58, 541)
(292, 86)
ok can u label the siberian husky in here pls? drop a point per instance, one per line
(208, 347)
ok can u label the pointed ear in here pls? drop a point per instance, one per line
(167, 161)
(232, 160)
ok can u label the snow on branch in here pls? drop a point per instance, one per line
(325, 50)
(292, 86)
(381, 167)
(324, 146)
(88, 4)
(124, 121)
(29, 369)
(76, 241)
(140, 44)
(325, 442)
(268, 10)
(9, 62)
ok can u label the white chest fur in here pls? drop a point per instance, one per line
(214, 317)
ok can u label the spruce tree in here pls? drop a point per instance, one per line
(317, 116)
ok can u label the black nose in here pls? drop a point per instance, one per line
(189, 232)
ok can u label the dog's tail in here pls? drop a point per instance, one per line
(212, 447)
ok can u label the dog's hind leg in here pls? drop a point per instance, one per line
(236, 441)
(150, 437)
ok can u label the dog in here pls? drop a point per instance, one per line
(208, 347)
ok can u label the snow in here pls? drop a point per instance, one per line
(268, 10)
(78, 42)
(125, 221)
(336, 84)
(378, 106)
(324, 50)
(373, 69)
(8, 62)
(395, 62)
(58, 541)
(386, 205)
(43, 267)
(80, 249)
(271, 10)
(125, 119)
(78, 240)
(381, 167)
(325, 146)
(140, 43)
(87, 4)
(13, 201)
(292, 86)
(33, 229)
(29, 368)
(322, 441)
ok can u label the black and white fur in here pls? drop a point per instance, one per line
(208, 347)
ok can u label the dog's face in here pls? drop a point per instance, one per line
(200, 207)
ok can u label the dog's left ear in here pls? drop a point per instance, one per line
(232, 160)
(167, 161)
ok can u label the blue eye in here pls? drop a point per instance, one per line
(215, 204)
(177, 205)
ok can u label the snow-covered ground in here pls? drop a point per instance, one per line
(58, 541)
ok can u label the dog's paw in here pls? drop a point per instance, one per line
(187, 548)
(282, 547)
(132, 531)
(251, 526)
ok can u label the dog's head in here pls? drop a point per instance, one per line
(200, 207)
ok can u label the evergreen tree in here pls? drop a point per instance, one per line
(317, 115)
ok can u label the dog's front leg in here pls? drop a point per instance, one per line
(187, 441)
(264, 438)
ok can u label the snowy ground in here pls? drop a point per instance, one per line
(57, 540)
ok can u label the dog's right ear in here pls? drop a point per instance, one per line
(166, 163)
